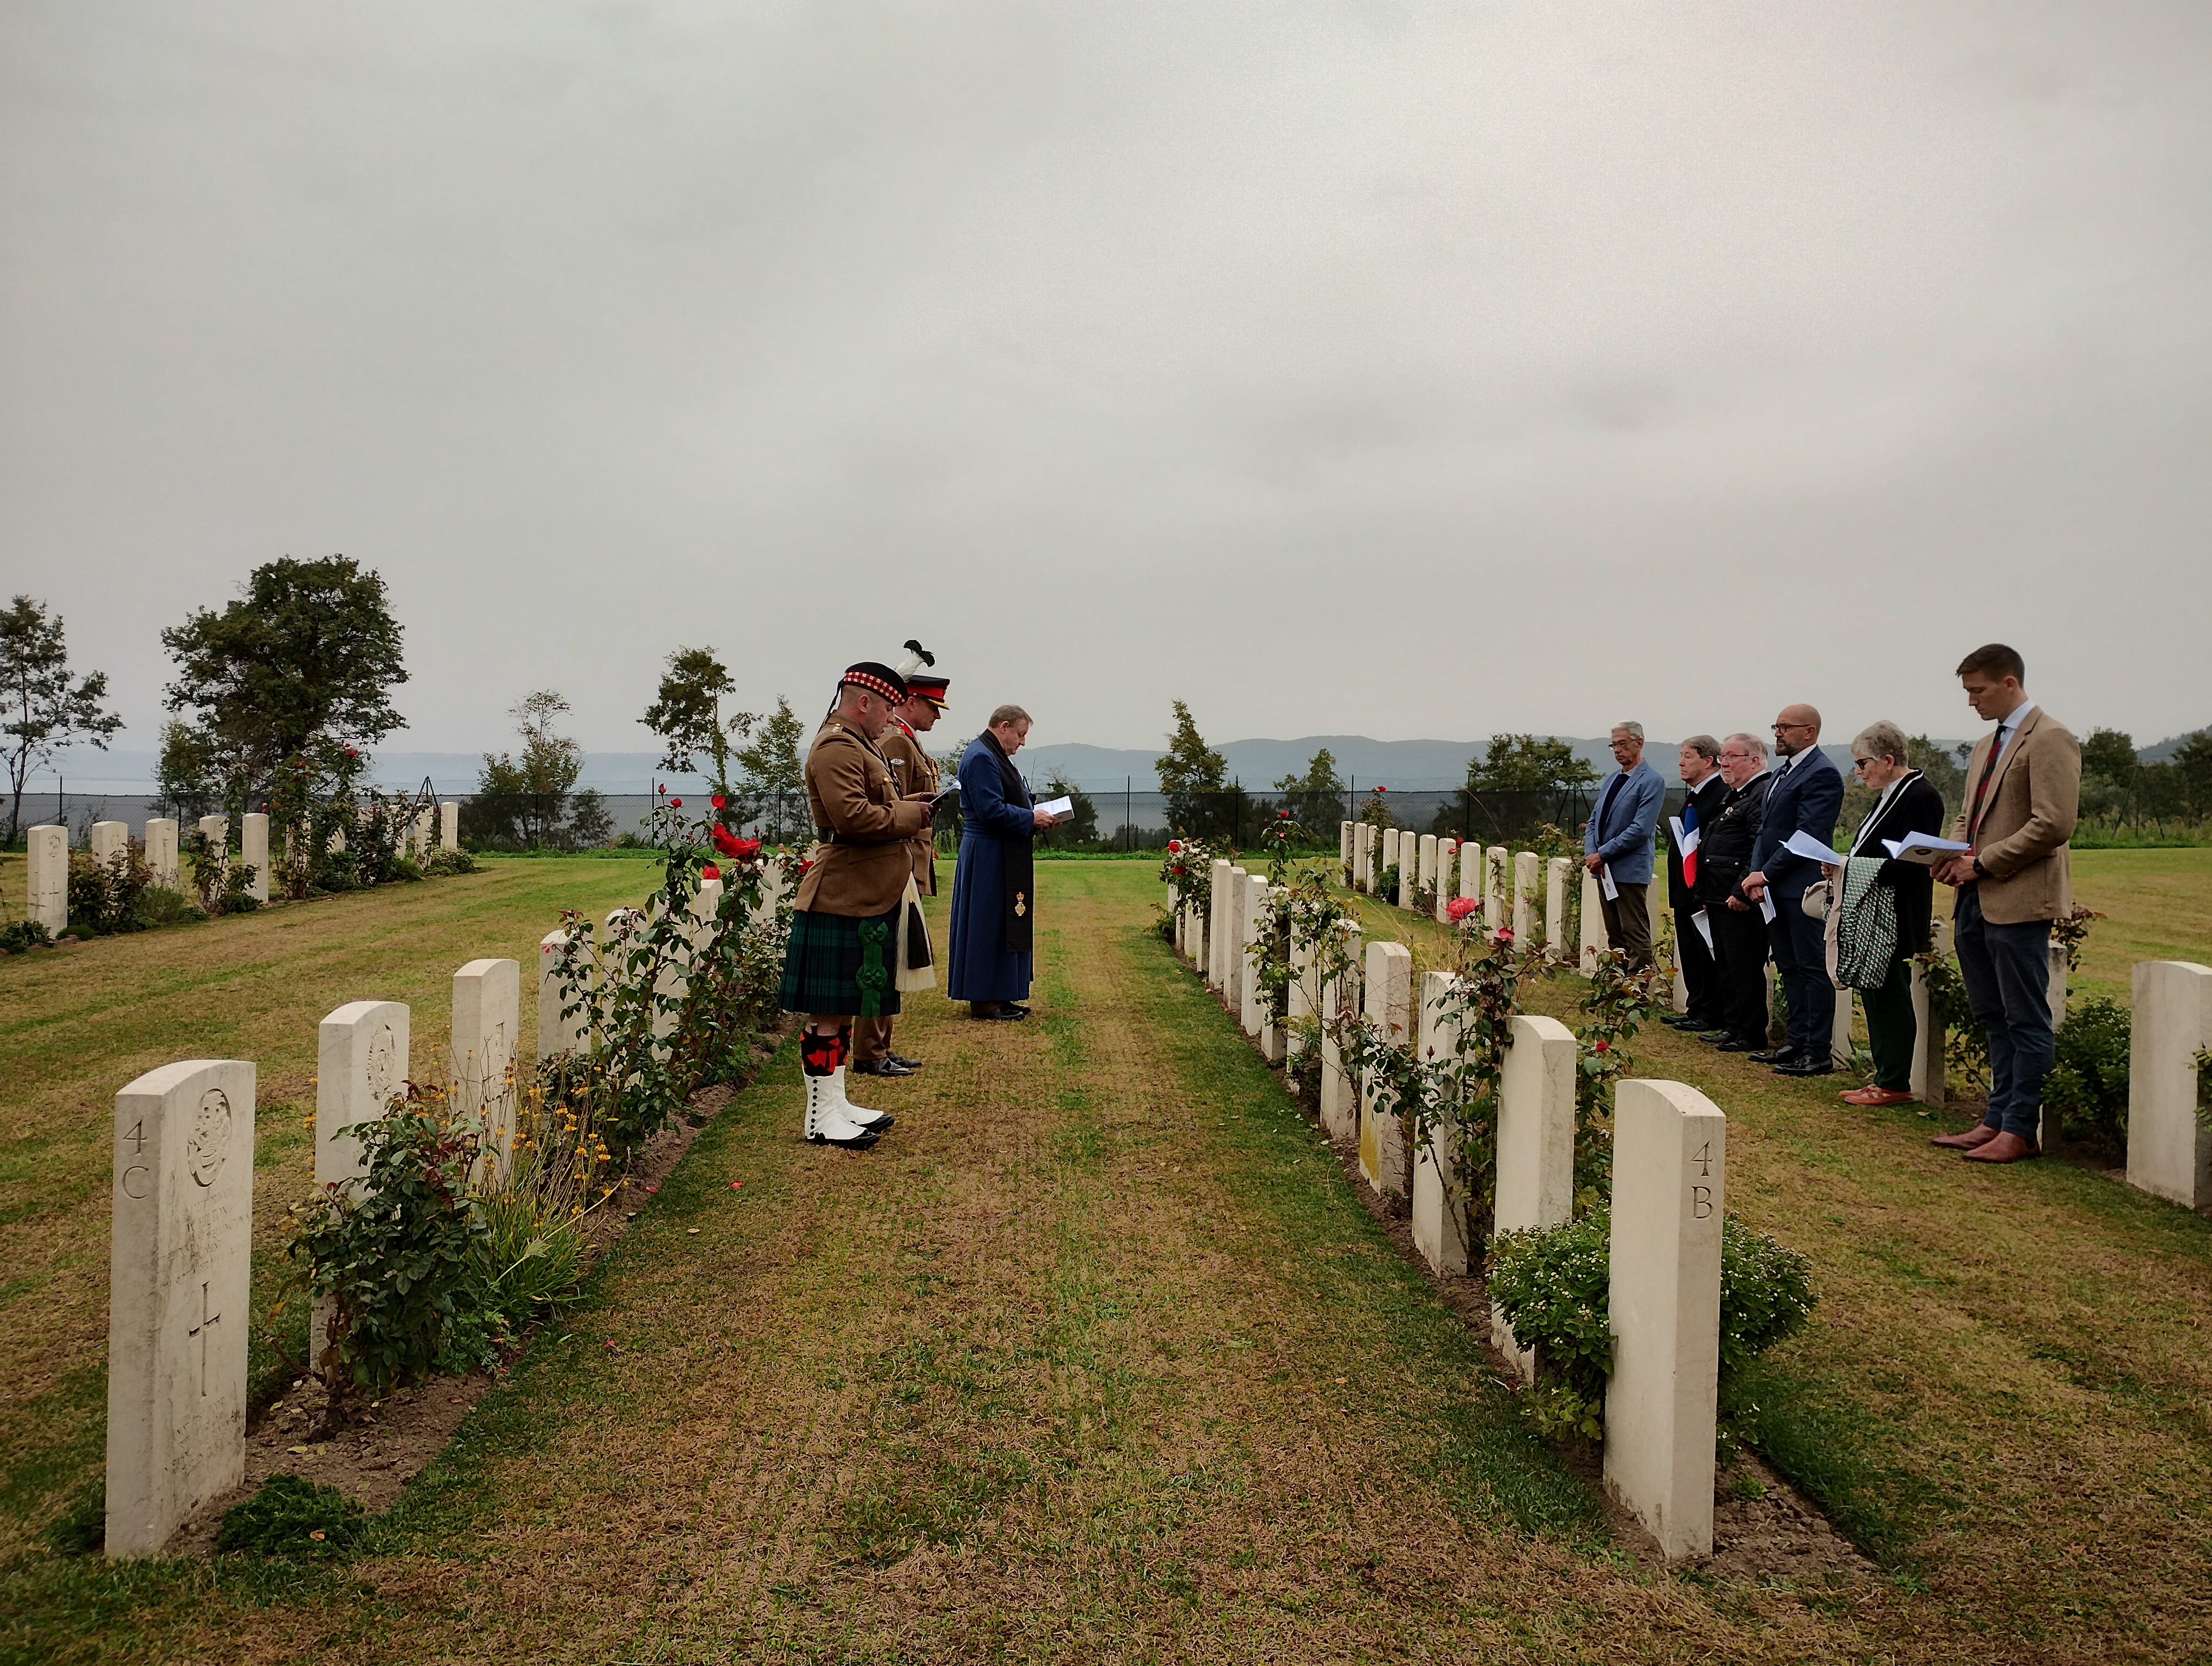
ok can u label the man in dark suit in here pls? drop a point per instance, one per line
(1701, 774)
(1807, 794)
(1724, 848)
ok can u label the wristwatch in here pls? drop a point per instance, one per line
(1980, 872)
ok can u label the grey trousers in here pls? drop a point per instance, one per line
(1628, 924)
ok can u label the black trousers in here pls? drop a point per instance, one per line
(1801, 955)
(1701, 972)
(1740, 948)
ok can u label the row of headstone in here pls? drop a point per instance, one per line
(47, 849)
(1662, 1402)
(1503, 881)
(183, 1230)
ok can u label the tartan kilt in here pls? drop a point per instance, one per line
(824, 960)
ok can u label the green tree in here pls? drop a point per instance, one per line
(2110, 753)
(687, 715)
(1528, 764)
(530, 794)
(2192, 765)
(309, 654)
(1316, 799)
(46, 707)
(186, 776)
(775, 785)
(1194, 776)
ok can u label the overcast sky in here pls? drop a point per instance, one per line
(1405, 370)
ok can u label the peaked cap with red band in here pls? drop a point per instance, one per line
(878, 679)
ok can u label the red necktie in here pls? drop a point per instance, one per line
(1997, 751)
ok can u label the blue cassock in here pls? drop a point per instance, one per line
(982, 967)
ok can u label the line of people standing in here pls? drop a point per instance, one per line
(1743, 898)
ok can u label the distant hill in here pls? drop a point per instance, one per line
(2164, 752)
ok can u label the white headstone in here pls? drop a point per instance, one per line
(178, 1297)
(253, 851)
(216, 830)
(1340, 1094)
(487, 1021)
(1428, 850)
(2058, 986)
(1470, 871)
(1362, 837)
(1929, 1082)
(1251, 916)
(1234, 966)
(1344, 849)
(1535, 1144)
(1839, 1044)
(1493, 886)
(162, 851)
(1439, 1193)
(424, 834)
(1593, 939)
(1670, 1148)
(1525, 866)
(1303, 996)
(106, 838)
(1216, 961)
(556, 1034)
(360, 1067)
(2169, 1151)
(47, 878)
(1389, 1007)
(1555, 906)
(1447, 870)
(1409, 872)
(449, 826)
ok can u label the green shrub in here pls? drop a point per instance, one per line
(160, 905)
(2087, 1086)
(19, 935)
(440, 863)
(399, 1252)
(104, 896)
(291, 1515)
(1553, 1286)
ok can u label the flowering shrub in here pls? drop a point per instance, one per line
(1617, 1004)
(1188, 865)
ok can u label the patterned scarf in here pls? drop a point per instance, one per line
(1866, 934)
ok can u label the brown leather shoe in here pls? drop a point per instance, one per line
(1877, 1096)
(1980, 1134)
(2005, 1148)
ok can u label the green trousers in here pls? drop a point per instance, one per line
(1890, 1027)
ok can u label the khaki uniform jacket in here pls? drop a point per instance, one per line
(2027, 815)
(917, 776)
(850, 791)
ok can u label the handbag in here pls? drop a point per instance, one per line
(1817, 900)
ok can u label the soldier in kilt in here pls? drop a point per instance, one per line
(842, 961)
(916, 774)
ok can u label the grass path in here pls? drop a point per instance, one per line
(1097, 1357)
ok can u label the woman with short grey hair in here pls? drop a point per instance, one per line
(1881, 917)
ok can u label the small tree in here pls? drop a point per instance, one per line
(687, 715)
(1193, 776)
(532, 794)
(1315, 799)
(46, 708)
(1528, 764)
(186, 778)
(309, 654)
(775, 780)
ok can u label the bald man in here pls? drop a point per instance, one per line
(1807, 794)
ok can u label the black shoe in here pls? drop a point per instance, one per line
(1682, 1021)
(1806, 1067)
(1733, 1045)
(1003, 1012)
(1780, 1056)
(1715, 1037)
(883, 1066)
(912, 1065)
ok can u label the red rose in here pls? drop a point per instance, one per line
(1505, 933)
(710, 872)
(717, 802)
(663, 790)
(1460, 907)
(675, 804)
(1602, 1047)
(1174, 845)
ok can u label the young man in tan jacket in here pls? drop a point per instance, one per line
(2023, 791)
(917, 776)
(841, 963)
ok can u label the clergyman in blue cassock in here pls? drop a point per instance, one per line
(994, 884)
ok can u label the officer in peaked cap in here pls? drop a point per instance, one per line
(916, 773)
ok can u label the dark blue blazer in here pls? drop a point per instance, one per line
(1805, 800)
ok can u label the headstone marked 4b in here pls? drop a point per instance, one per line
(178, 1297)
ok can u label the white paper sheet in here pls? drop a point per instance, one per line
(1605, 882)
(1801, 843)
(1705, 928)
(1926, 848)
(1766, 906)
(1064, 806)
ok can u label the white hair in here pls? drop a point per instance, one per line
(1753, 745)
(1634, 731)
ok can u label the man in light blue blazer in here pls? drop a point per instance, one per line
(1807, 794)
(1617, 844)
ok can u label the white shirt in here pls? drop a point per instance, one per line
(1880, 805)
(2009, 724)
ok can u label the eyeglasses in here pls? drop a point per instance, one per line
(1779, 727)
(1864, 762)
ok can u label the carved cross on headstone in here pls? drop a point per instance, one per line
(200, 1330)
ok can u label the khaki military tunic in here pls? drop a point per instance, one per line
(917, 776)
(863, 869)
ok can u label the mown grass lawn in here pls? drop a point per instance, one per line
(1098, 1356)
